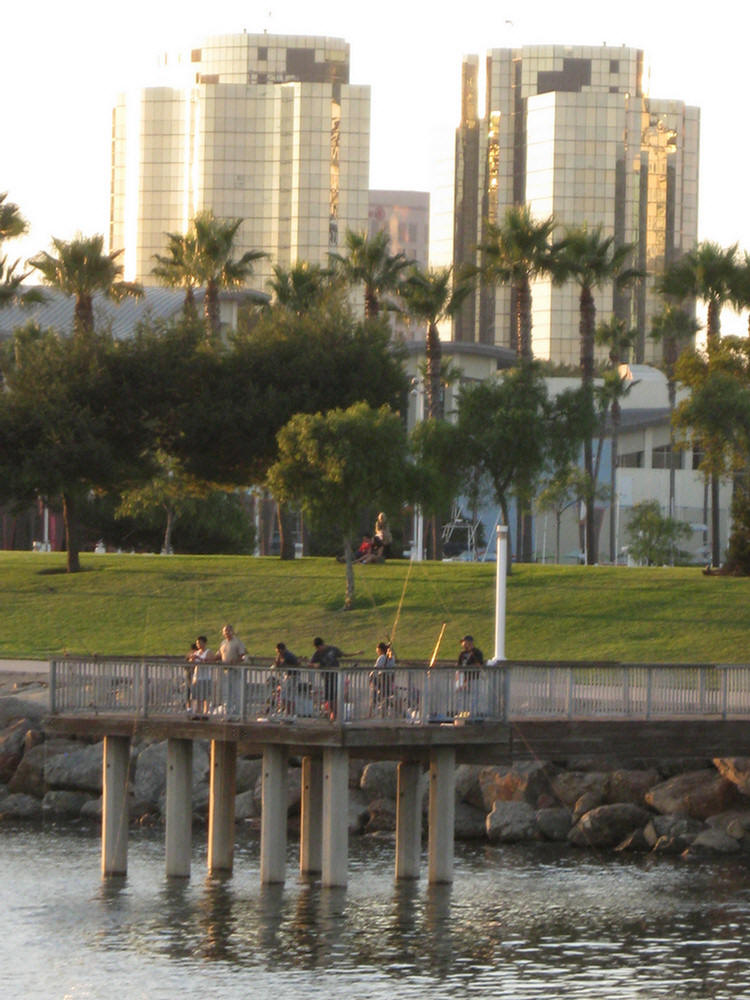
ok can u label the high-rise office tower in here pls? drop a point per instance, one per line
(571, 132)
(264, 128)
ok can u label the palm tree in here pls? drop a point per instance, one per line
(707, 272)
(593, 261)
(619, 338)
(12, 223)
(298, 287)
(431, 297)
(514, 254)
(741, 286)
(368, 262)
(81, 269)
(178, 267)
(216, 268)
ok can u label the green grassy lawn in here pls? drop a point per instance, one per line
(149, 605)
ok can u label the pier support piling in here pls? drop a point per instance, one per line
(221, 806)
(273, 815)
(115, 805)
(179, 807)
(335, 853)
(442, 814)
(311, 817)
(408, 820)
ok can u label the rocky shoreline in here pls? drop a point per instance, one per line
(688, 808)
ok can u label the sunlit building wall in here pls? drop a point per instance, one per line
(570, 132)
(260, 127)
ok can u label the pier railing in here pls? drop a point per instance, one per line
(410, 693)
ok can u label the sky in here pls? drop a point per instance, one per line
(63, 64)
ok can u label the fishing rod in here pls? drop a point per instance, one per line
(437, 646)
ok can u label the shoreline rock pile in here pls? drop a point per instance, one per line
(690, 808)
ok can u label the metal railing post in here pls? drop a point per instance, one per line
(724, 692)
(144, 689)
(506, 689)
(649, 682)
(53, 687)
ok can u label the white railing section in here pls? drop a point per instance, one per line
(409, 693)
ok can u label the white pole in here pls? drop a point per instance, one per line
(501, 544)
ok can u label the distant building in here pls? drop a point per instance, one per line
(405, 216)
(261, 127)
(570, 131)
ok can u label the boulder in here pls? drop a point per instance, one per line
(359, 811)
(245, 807)
(61, 803)
(631, 785)
(634, 841)
(382, 816)
(12, 709)
(735, 822)
(607, 825)
(682, 829)
(468, 788)
(12, 747)
(20, 806)
(587, 802)
(511, 822)
(79, 769)
(569, 786)
(248, 772)
(736, 770)
(92, 809)
(470, 822)
(151, 771)
(711, 842)
(668, 845)
(695, 793)
(379, 780)
(554, 823)
(524, 782)
(29, 777)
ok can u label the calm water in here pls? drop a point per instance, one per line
(517, 923)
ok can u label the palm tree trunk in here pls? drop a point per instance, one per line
(83, 316)
(523, 345)
(72, 542)
(715, 521)
(212, 310)
(433, 359)
(586, 330)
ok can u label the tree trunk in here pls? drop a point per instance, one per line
(613, 482)
(166, 548)
(286, 531)
(523, 346)
(586, 329)
(349, 560)
(212, 310)
(83, 317)
(715, 521)
(72, 541)
(433, 359)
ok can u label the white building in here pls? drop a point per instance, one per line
(260, 127)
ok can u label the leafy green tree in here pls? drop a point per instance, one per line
(369, 262)
(80, 270)
(567, 485)
(515, 253)
(69, 424)
(335, 465)
(655, 538)
(593, 261)
(440, 465)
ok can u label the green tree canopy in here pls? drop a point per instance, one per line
(335, 465)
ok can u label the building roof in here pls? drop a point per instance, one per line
(56, 311)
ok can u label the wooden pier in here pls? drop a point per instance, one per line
(423, 718)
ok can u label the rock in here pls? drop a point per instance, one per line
(607, 825)
(554, 823)
(92, 809)
(151, 771)
(668, 845)
(736, 819)
(248, 772)
(78, 769)
(711, 842)
(569, 786)
(468, 788)
(470, 822)
(635, 841)
(29, 775)
(379, 780)
(587, 802)
(520, 783)
(293, 791)
(12, 709)
(12, 747)
(631, 785)
(382, 816)
(736, 770)
(356, 767)
(20, 806)
(64, 804)
(682, 829)
(245, 807)
(695, 793)
(359, 812)
(510, 822)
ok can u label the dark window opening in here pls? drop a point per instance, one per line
(196, 55)
(614, 65)
(262, 53)
(575, 74)
(630, 460)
